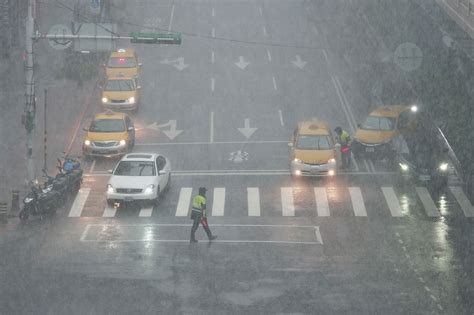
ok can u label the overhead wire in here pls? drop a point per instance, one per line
(189, 34)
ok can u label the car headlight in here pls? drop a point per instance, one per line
(297, 173)
(403, 166)
(131, 100)
(122, 142)
(87, 142)
(104, 100)
(443, 167)
(332, 161)
(110, 189)
(149, 189)
(297, 160)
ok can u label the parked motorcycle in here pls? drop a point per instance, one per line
(71, 168)
(40, 201)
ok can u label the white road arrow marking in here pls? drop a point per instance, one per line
(178, 63)
(298, 62)
(172, 133)
(242, 64)
(247, 131)
(153, 126)
(181, 65)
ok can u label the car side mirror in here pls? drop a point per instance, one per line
(85, 128)
(139, 87)
(131, 128)
(290, 144)
(140, 64)
(161, 172)
(359, 125)
(109, 171)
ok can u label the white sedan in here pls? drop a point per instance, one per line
(139, 176)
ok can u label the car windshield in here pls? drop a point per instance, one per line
(135, 168)
(122, 62)
(312, 142)
(107, 125)
(379, 123)
(120, 85)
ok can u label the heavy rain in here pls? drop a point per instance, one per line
(236, 156)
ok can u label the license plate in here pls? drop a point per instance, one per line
(315, 169)
(424, 177)
(369, 150)
(128, 199)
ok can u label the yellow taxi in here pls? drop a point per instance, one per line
(109, 134)
(374, 136)
(121, 93)
(122, 62)
(312, 150)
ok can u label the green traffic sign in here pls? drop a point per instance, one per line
(155, 38)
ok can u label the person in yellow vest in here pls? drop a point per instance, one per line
(199, 215)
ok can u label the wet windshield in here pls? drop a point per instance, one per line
(379, 123)
(120, 85)
(107, 125)
(307, 142)
(135, 168)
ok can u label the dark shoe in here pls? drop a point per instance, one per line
(212, 237)
(193, 241)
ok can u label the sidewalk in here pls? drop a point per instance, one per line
(66, 103)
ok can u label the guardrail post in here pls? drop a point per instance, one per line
(3, 211)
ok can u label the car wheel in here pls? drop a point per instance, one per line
(111, 202)
(168, 184)
(156, 201)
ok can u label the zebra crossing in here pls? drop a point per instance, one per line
(288, 206)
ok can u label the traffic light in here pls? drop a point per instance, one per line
(155, 38)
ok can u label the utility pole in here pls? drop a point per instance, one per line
(30, 106)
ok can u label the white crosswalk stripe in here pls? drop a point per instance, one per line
(109, 212)
(253, 201)
(357, 202)
(184, 202)
(145, 212)
(79, 202)
(322, 204)
(287, 206)
(288, 203)
(392, 201)
(465, 204)
(427, 201)
(218, 202)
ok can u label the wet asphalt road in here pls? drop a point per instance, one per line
(354, 244)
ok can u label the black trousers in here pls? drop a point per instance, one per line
(199, 219)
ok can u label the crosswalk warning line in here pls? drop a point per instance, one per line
(392, 201)
(461, 198)
(218, 202)
(145, 212)
(253, 200)
(184, 202)
(79, 202)
(357, 202)
(287, 205)
(427, 202)
(109, 212)
(322, 204)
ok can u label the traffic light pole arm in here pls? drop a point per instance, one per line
(138, 37)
